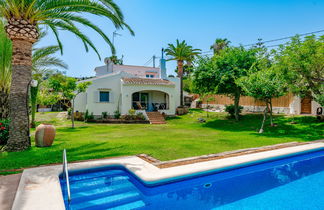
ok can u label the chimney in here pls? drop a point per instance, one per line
(109, 65)
(163, 66)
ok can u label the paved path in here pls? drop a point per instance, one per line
(8, 188)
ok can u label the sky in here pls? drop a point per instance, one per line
(159, 22)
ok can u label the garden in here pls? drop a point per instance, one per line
(185, 137)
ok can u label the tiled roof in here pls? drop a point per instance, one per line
(144, 81)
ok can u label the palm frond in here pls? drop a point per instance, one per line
(181, 51)
(62, 15)
(5, 60)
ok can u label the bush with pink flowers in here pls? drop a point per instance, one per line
(4, 131)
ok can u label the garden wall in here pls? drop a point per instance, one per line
(283, 101)
(250, 104)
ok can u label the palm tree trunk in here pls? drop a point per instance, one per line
(4, 104)
(18, 99)
(180, 75)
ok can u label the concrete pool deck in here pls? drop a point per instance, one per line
(39, 188)
(8, 187)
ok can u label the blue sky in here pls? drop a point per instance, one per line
(199, 22)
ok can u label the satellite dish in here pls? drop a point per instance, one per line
(107, 61)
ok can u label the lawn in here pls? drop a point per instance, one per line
(181, 137)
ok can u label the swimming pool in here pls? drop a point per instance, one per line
(295, 182)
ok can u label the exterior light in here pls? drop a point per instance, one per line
(34, 83)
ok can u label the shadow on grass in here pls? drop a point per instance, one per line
(72, 130)
(306, 128)
(53, 155)
(173, 117)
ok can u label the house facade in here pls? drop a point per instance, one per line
(124, 87)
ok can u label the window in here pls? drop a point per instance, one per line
(152, 76)
(147, 76)
(104, 96)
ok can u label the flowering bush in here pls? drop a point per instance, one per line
(4, 131)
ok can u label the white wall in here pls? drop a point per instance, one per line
(138, 71)
(80, 102)
(315, 105)
(295, 106)
(90, 99)
(158, 97)
(172, 91)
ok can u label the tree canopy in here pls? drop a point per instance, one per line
(301, 61)
(219, 74)
(264, 85)
(67, 88)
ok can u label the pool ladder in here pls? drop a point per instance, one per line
(66, 174)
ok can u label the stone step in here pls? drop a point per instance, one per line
(155, 118)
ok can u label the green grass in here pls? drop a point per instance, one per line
(181, 137)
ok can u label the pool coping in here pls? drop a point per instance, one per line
(39, 188)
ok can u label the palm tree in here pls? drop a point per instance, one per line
(5, 72)
(181, 52)
(44, 64)
(219, 45)
(24, 19)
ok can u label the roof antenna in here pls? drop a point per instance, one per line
(113, 39)
(162, 53)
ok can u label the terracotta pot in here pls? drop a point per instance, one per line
(44, 136)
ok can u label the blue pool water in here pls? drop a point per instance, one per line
(290, 183)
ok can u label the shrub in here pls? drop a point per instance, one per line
(117, 114)
(88, 116)
(140, 116)
(91, 116)
(104, 115)
(78, 116)
(131, 111)
(127, 117)
(4, 131)
(230, 109)
(69, 111)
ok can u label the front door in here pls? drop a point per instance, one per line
(306, 105)
(144, 100)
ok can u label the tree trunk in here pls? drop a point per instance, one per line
(207, 108)
(33, 101)
(18, 99)
(4, 104)
(72, 113)
(264, 119)
(180, 75)
(271, 119)
(236, 105)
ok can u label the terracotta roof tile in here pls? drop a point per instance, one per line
(145, 81)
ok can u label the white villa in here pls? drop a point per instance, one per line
(124, 87)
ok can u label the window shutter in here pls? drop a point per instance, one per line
(96, 96)
(111, 97)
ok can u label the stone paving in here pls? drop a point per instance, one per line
(8, 188)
